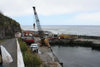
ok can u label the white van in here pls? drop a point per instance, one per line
(34, 47)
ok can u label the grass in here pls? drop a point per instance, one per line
(2, 40)
(30, 59)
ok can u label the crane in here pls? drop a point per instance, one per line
(40, 31)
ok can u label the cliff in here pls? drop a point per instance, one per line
(8, 27)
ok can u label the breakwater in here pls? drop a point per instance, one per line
(84, 41)
(48, 57)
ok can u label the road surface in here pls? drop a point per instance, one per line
(11, 47)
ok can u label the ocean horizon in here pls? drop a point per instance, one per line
(88, 30)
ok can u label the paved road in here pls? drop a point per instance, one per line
(11, 46)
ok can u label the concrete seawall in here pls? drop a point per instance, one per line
(20, 62)
(93, 42)
(48, 57)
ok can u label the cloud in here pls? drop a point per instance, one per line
(50, 7)
(85, 19)
(47, 7)
(89, 16)
(15, 7)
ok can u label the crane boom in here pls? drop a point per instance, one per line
(40, 31)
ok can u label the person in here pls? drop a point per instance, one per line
(34, 25)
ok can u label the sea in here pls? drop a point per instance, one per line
(77, 56)
(74, 56)
(88, 30)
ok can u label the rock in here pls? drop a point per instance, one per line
(8, 27)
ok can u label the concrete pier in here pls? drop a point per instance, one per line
(48, 58)
(94, 43)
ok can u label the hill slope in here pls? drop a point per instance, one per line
(8, 27)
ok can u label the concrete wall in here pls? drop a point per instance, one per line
(20, 62)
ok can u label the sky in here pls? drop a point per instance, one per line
(53, 12)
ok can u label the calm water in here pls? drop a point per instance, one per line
(77, 56)
(77, 30)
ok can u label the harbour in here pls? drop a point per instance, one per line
(77, 56)
(49, 33)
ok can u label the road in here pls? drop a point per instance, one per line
(11, 47)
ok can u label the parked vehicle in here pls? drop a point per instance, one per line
(28, 40)
(34, 47)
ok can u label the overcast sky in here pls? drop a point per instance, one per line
(53, 12)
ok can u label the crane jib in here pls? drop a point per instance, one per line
(40, 31)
